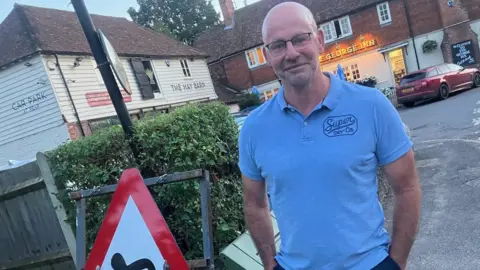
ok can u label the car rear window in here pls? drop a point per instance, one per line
(413, 77)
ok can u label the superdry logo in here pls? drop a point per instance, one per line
(340, 125)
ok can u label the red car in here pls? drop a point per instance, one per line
(435, 82)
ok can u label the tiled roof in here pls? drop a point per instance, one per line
(246, 31)
(29, 29)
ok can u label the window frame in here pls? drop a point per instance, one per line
(256, 57)
(332, 34)
(355, 70)
(379, 13)
(187, 73)
(347, 18)
(332, 30)
(154, 73)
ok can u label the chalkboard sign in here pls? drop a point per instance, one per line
(463, 53)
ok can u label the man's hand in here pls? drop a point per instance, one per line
(402, 176)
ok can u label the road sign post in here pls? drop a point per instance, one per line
(101, 56)
(134, 235)
(115, 234)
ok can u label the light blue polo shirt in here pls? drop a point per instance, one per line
(320, 171)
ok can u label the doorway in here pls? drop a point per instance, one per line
(397, 63)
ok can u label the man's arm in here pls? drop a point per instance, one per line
(258, 220)
(395, 155)
(402, 176)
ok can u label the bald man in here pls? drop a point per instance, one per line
(316, 146)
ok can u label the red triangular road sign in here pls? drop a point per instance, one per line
(134, 231)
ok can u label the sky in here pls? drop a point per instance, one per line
(116, 8)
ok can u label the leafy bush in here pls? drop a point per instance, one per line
(369, 81)
(249, 100)
(191, 137)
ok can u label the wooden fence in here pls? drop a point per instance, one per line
(33, 234)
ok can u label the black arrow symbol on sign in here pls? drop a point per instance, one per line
(118, 263)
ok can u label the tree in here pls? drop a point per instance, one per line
(181, 19)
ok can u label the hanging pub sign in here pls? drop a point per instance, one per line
(463, 54)
(342, 50)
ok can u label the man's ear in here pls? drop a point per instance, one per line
(321, 41)
(265, 54)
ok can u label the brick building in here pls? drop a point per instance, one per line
(367, 37)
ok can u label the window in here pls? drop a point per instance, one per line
(144, 72)
(453, 67)
(432, 73)
(255, 57)
(268, 94)
(443, 69)
(413, 77)
(147, 66)
(383, 10)
(337, 29)
(327, 32)
(355, 72)
(185, 68)
(351, 72)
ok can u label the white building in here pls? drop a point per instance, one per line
(52, 92)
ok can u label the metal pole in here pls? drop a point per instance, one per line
(81, 243)
(105, 70)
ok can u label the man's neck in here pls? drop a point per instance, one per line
(305, 100)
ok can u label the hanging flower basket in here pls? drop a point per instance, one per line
(429, 46)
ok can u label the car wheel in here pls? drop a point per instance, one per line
(409, 104)
(476, 80)
(443, 92)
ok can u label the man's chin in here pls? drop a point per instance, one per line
(298, 80)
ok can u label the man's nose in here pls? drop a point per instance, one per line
(290, 51)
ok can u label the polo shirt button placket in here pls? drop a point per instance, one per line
(306, 136)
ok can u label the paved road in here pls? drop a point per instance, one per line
(454, 118)
(447, 140)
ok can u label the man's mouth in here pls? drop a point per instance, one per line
(293, 67)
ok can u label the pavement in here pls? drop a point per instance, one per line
(446, 135)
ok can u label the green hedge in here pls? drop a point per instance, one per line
(249, 100)
(191, 137)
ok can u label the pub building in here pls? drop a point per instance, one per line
(384, 39)
(363, 57)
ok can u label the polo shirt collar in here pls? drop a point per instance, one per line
(331, 100)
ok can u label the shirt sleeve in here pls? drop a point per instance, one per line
(246, 151)
(392, 141)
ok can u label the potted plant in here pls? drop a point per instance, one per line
(429, 46)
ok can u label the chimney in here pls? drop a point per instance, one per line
(227, 12)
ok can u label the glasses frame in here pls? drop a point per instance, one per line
(289, 40)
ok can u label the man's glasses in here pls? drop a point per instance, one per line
(279, 47)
